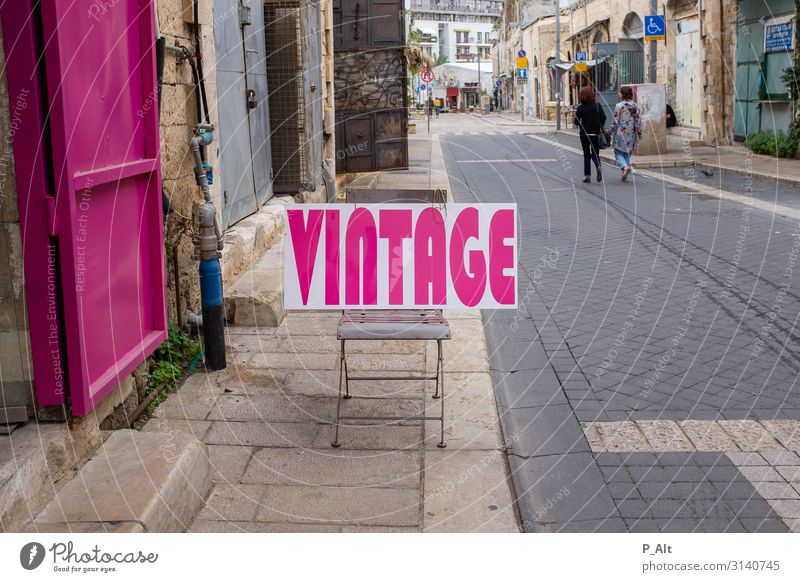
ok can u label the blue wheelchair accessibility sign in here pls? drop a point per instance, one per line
(655, 27)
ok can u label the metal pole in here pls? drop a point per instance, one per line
(428, 105)
(653, 49)
(480, 104)
(556, 62)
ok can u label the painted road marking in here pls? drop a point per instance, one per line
(537, 160)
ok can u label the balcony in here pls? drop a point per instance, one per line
(458, 7)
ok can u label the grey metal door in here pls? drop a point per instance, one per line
(370, 85)
(606, 77)
(243, 112)
(294, 70)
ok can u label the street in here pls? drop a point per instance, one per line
(655, 327)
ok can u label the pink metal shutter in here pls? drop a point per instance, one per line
(101, 81)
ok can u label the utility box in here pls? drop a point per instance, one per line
(652, 102)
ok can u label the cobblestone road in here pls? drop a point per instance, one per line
(642, 302)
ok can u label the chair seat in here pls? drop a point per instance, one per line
(400, 324)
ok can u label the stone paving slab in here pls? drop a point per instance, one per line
(467, 491)
(267, 422)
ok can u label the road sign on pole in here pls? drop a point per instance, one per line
(580, 62)
(655, 27)
(427, 75)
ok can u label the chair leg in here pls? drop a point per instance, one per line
(346, 374)
(438, 364)
(336, 444)
(440, 367)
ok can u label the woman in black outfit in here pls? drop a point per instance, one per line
(590, 118)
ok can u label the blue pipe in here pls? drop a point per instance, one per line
(213, 313)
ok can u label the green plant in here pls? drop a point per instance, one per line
(441, 59)
(773, 143)
(168, 365)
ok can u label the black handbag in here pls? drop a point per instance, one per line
(603, 138)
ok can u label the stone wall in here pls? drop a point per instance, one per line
(178, 120)
(15, 365)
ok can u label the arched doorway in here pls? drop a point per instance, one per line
(631, 50)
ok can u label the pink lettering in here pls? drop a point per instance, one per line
(469, 287)
(361, 236)
(395, 226)
(501, 257)
(305, 241)
(430, 259)
(332, 259)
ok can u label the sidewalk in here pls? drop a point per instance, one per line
(267, 423)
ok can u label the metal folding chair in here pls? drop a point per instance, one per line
(402, 324)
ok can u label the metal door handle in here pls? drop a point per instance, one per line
(250, 94)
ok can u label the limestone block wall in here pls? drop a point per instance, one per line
(15, 364)
(178, 120)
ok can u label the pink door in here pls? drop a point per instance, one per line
(102, 153)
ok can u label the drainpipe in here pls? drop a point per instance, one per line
(209, 243)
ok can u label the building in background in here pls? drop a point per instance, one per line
(457, 30)
(516, 15)
(458, 85)
(706, 69)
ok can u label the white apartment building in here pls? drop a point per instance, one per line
(461, 30)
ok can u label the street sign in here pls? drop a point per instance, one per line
(580, 62)
(522, 73)
(779, 37)
(522, 62)
(655, 27)
(522, 54)
(427, 75)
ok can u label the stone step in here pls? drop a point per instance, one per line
(678, 137)
(256, 298)
(137, 481)
(248, 240)
(33, 459)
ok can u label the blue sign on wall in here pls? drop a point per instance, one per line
(522, 73)
(655, 27)
(778, 38)
(580, 57)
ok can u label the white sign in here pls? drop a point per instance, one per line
(392, 256)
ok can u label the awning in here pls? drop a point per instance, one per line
(570, 66)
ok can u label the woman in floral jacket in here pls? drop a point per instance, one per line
(626, 129)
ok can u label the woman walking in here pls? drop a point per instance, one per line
(590, 118)
(626, 129)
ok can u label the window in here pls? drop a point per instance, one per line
(480, 37)
(462, 36)
(551, 77)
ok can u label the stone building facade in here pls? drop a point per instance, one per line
(696, 63)
(245, 238)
